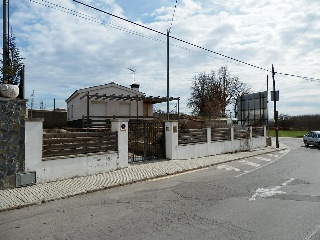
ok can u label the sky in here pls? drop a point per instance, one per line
(68, 46)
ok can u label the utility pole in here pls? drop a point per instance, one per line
(5, 34)
(168, 32)
(267, 105)
(275, 98)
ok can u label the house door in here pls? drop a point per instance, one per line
(146, 141)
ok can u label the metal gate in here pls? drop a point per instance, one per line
(146, 140)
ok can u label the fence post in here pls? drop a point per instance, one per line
(208, 135)
(34, 143)
(250, 138)
(208, 129)
(121, 126)
(171, 134)
(233, 147)
(232, 133)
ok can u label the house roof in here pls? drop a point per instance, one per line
(98, 87)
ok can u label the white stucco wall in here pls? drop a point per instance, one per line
(112, 106)
(187, 151)
(68, 167)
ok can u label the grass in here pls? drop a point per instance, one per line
(295, 134)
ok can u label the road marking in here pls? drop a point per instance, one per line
(263, 159)
(284, 151)
(276, 159)
(272, 155)
(176, 174)
(228, 167)
(313, 232)
(250, 163)
(265, 192)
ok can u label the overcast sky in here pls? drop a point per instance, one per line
(64, 52)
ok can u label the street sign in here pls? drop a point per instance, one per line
(272, 95)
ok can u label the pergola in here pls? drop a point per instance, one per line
(131, 98)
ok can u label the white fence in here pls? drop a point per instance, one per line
(65, 167)
(174, 150)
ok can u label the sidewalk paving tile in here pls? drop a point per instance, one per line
(135, 172)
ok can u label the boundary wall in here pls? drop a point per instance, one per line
(60, 168)
(208, 148)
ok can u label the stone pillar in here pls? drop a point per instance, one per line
(121, 126)
(171, 134)
(12, 140)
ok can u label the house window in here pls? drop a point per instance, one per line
(125, 109)
(98, 108)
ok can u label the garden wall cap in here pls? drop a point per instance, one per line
(34, 119)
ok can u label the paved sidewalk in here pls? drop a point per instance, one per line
(40, 193)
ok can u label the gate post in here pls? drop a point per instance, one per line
(250, 138)
(12, 140)
(34, 139)
(121, 126)
(171, 134)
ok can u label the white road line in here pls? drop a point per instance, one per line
(250, 163)
(263, 159)
(176, 175)
(265, 192)
(314, 231)
(286, 152)
(272, 155)
(228, 167)
(287, 182)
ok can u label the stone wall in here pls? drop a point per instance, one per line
(12, 140)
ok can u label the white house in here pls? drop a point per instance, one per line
(110, 100)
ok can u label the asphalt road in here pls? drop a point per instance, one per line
(272, 196)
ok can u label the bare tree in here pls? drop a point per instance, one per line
(212, 93)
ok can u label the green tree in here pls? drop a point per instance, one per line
(212, 93)
(14, 62)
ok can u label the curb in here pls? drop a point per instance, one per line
(45, 192)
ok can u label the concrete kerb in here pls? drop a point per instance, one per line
(136, 172)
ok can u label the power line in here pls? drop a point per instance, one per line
(164, 34)
(194, 45)
(90, 18)
(174, 11)
(121, 18)
(99, 21)
(93, 19)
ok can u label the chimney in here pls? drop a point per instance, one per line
(135, 86)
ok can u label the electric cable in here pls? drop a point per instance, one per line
(174, 11)
(194, 45)
(164, 34)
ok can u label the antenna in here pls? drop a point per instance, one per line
(133, 72)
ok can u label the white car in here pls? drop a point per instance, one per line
(312, 138)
